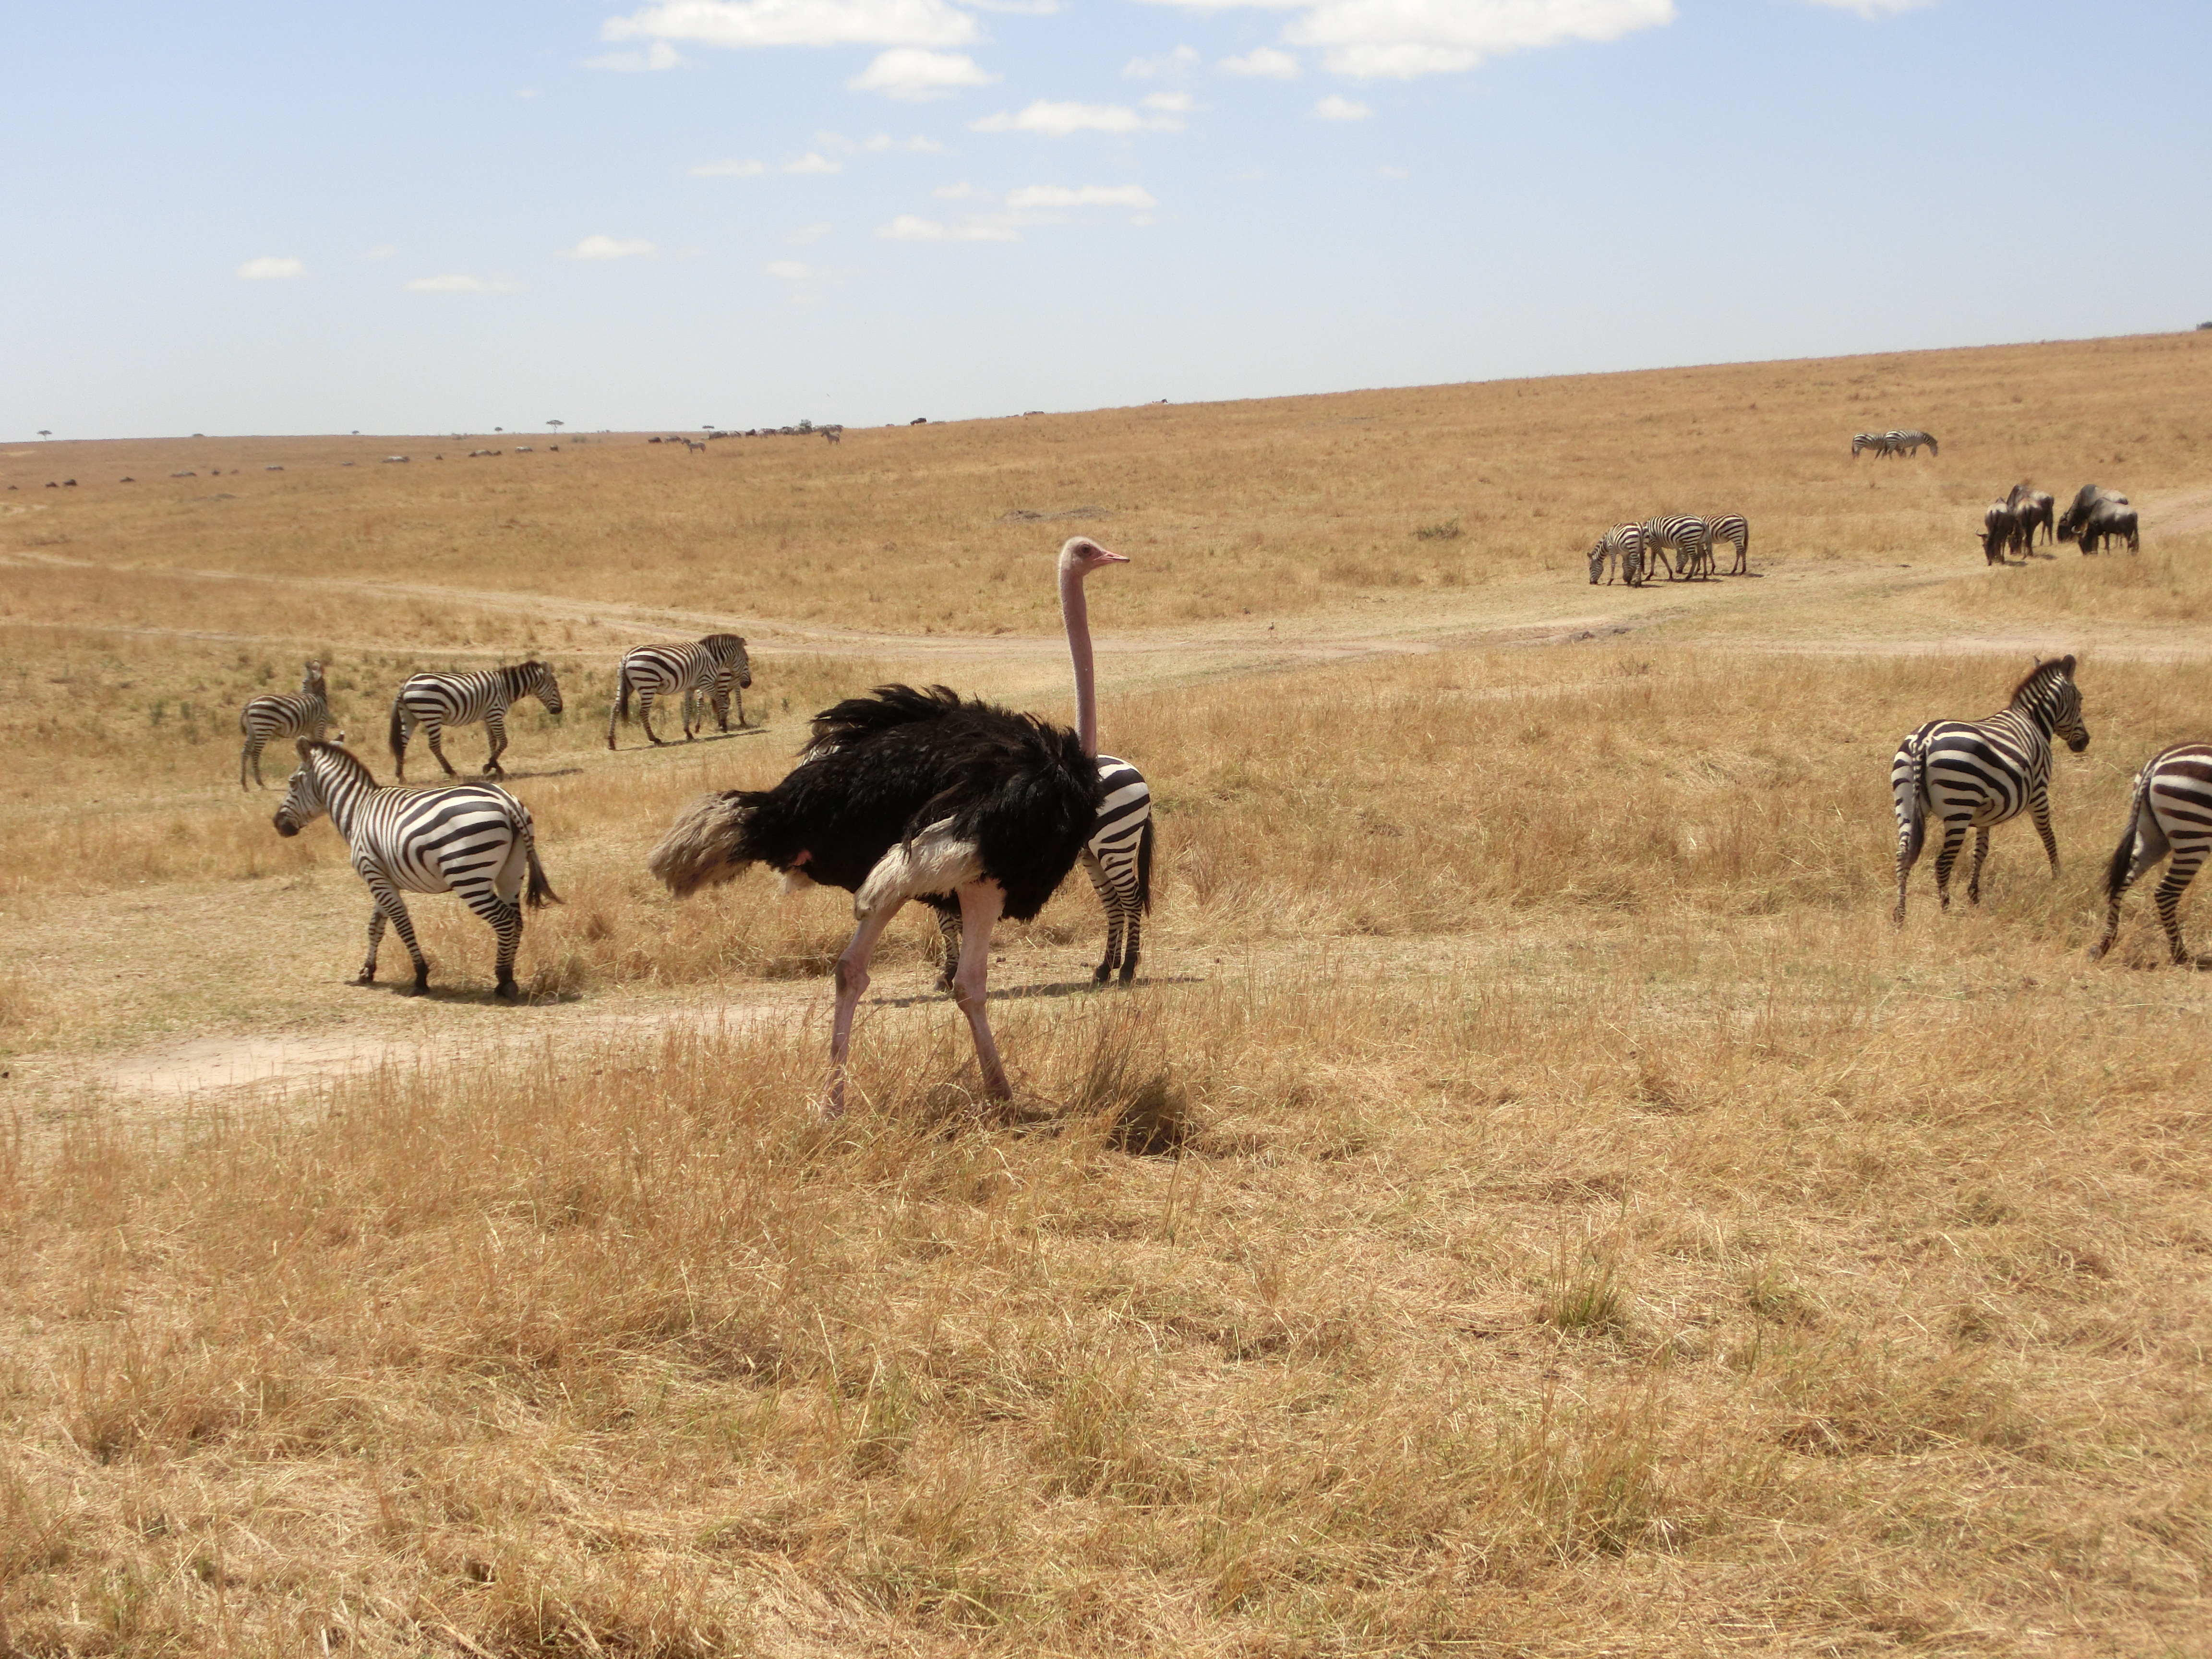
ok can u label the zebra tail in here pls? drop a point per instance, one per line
(1145, 869)
(398, 735)
(540, 890)
(704, 845)
(2123, 856)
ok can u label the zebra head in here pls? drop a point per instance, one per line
(303, 797)
(729, 651)
(1597, 562)
(311, 682)
(539, 679)
(2051, 695)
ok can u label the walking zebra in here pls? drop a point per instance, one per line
(1622, 548)
(713, 664)
(1118, 859)
(1975, 775)
(1732, 528)
(2171, 812)
(435, 702)
(1688, 536)
(304, 712)
(473, 839)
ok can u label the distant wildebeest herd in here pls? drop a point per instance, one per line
(2097, 518)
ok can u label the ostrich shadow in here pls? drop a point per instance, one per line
(524, 777)
(1067, 987)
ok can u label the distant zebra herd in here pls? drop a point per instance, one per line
(477, 840)
(1894, 443)
(1630, 551)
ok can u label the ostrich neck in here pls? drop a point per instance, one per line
(1074, 613)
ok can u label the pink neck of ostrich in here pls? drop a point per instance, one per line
(1077, 615)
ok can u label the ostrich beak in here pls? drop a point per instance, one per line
(1105, 557)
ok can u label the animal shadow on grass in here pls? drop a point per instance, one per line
(1067, 987)
(403, 986)
(523, 777)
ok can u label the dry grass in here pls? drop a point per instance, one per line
(1534, 1205)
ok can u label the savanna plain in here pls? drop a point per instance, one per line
(1531, 1202)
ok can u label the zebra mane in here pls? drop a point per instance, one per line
(520, 676)
(344, 759)
(2039, 676)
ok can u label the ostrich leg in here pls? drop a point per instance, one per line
(981, 903)
(852, 980)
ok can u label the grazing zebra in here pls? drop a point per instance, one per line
(1118, 859)
(1975, 775)
(473, 839)
(1687, 535)
(712, 665)
(1908, 443)
(1622, 548)
(435, 702)
(1880, 442)
(2171, 812)
(304, 712)
(1734, 529)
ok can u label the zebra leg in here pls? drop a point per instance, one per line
(1111, 901)
(495, 729)
(1954, 837)
(2039, 809)
(1981, 854)
(390, 905)
(738, 692)
(505, 920)
(375, 939)
(2168, 897)
(434, 732)
(948, 931)
(645, 717)
(1132, 920)
(253, 749)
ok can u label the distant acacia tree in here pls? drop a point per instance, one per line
(556, 426)
(43, 433)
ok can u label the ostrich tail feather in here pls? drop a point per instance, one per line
(706, 844)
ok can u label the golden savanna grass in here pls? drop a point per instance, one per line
(1533, 1203)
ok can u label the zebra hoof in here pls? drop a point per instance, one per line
(420, 987)
(366, 976)
(507, 991)
(1129, 975)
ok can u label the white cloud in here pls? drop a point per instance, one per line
(383, 251)
(661, 55)
(806, 233)
(788, 270)
(456, 283)
(1873, 8)
(740, 23)
(1334, 108)
(1398, 40)
(608, 247)
(805, 284)
(908, 228)
(1057, 120)
(1173, 103)
(915, 73)
(812, 163)
(1060, 196)
(1393, 173)
(1019, 7)
(1264, 62)
(1180, 61)
(732, 168)
(272, 269)
(962, 192)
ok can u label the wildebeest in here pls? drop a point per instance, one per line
(2031, 507)
(2110, 521)
(2000, 530)
(2070, 521)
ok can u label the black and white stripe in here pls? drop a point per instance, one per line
(715, 665)
(435, 702)
(1977, 774)
(1118, 859)
(1908, 443)
(1687, 536)
(2171, 812)
(302, 713)
(1622, 549)
(472, 839)
(1880, 442)
(1734, 529)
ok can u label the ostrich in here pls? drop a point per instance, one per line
(904, 793)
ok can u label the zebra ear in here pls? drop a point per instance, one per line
(2067, 663)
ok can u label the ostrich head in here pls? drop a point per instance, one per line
(1079, 556)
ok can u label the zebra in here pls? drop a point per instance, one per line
(1908, 443)
(1687, 536)
(1977, 774)
(305, 711)
(473, 839)
(1880, 442)
(435, 702)
(1734, 529)
(1623, 548)
(2171, 811)
(1118, 859)
(713, 666)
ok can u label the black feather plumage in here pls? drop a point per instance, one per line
(883, 768)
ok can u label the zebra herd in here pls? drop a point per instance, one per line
(1894, 443)
(476, 841)
(1957, 775)
(1629, 550)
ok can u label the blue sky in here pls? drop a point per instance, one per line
(410, 218)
